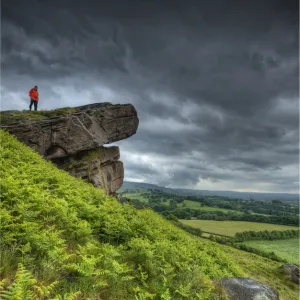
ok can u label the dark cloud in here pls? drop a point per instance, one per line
(215, 84)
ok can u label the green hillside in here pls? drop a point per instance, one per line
(61, 238)
(286, 249)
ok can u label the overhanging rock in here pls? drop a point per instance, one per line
(74, 140)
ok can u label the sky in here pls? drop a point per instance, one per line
(215, 83)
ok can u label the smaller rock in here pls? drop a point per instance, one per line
(242, 288)
(292, 271)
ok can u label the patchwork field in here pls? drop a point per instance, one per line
(286, 249)
(230, 228)
(186, 203)
(197, 205)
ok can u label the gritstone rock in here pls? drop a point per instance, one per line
(241, 288)
(74, 141)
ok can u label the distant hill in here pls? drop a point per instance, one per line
(230, 194)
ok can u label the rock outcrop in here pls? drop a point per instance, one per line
(292, 271)
(74, 141)
(241, 288)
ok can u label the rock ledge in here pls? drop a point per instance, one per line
(74, 140)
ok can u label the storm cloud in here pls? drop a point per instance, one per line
(215, 83)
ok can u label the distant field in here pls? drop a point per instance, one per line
(286, 249)
(230, 228)
(136, 196)
(197, 205)
(188, 203)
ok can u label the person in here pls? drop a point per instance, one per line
(34, 97)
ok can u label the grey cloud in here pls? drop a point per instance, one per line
(215, 84)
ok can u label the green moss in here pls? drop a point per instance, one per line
(11, 117)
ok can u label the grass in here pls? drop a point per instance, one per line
(286, 249)
(197, 205)
(188, 204)
(230, 228)
(61, 237)
(11, 117)
(136, 196)
(263, 270)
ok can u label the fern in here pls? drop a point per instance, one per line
(184, 291)
(67, 296)
(68, 232)
(25, 287)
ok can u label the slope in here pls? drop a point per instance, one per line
(61, 238)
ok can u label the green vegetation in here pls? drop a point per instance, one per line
(72, 238)
(230, 228)
(266, 235)
(11, 117)
(136, 196)
(61, 238)
(261, 268)
(213, 207)
(197, 205)
(286, 249)
(241, 246)
(277, 244)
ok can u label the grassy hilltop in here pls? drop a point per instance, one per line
(61, 238)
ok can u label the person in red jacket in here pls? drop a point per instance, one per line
(34, 97)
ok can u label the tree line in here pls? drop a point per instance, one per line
(266, 235)
(231, 242)
(226, 240)
(274, 207)
(189, 213)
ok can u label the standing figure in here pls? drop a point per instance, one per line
(34, 97)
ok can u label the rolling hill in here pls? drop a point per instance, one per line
(230, 194)
(62, 238)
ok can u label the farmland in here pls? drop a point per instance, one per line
(230, 228)
(220, 220)
(197, 205)
(286, 249)
(212, 207)
(186, 203)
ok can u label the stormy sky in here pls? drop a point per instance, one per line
(215, 83)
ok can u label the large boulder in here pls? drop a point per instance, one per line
(242, 288)
(87, 128)
(292, 271)
(73, 138)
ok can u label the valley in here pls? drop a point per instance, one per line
(230, 228)
(221, 218)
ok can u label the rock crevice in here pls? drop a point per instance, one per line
(75, 141)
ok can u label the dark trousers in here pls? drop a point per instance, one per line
(33, 102)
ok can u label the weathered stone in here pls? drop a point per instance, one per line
(292, 271)
(90, 127)
(241, 288)
(100, 167)
(74, 141)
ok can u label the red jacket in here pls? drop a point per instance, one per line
(34, 94)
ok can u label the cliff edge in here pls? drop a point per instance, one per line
(74, 138)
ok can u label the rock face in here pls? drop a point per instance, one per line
(292, 271)
(74, 141)
(241, 288)
(101, 167)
